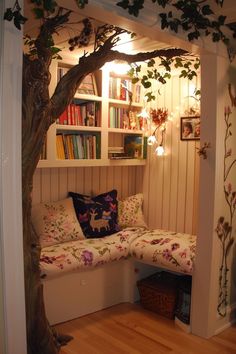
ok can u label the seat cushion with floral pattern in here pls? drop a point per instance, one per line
(83, 254)
(170, 250)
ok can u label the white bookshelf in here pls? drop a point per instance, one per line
(107, 136)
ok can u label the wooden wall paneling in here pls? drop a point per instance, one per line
(155, 190)
(145, 186)
(196, 191)
(167, 161)
(117, 180)
(46, 185)
(103, 179)
(54, 176)
(175, 99)
(138, 180)
(110, 178)
(125, 181)
(63, 180)
(189, 200)
(131, 181)
(71, 182)
(88, 180)
(95, 181)
(182, 168)
(79, 187)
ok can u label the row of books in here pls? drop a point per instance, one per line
(82, 114)
(135, 147)
(121, 89)
(78, 146)
(121, 118)
(88, 86)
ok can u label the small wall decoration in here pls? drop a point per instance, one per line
(88, 85)
(190, 128)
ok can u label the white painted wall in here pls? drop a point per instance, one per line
(171, 181)
(215, 79)
(12, 316)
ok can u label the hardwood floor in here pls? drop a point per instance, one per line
(129, 329)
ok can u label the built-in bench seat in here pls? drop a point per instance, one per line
(82, 274)
(170, 250)
(77, 255)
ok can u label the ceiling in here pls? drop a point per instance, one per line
(138, 43)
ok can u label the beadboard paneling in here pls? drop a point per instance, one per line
(51, 184)
(171, 181)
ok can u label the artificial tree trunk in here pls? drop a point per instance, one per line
(39, 111)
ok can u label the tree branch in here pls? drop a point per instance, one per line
(69, 83)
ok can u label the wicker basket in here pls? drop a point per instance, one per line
(158, 293)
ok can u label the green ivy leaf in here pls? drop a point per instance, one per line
(150, 96)
(8, 14)
(206, 10)
(135, 80)
(37, 2)
(49, 5)
(39, 13)
(151, 63)
(221, 20)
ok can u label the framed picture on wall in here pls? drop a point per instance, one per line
(190, 128)
(88, 85)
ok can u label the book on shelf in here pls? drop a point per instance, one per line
(81, 113)
(78, 146)
(133, 146)
(117, 153)
(120, 118)
(122, 88)
(88, 86)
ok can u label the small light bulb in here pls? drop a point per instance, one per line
(160, 150)
(151, 140)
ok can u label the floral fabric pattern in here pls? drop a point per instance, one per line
(170, 250)
(130, 213)
(56, 222)
(83, 254)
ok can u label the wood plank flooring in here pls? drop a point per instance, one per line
(129, 329)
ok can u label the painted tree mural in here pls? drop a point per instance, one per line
(39, 110)
(224, 228)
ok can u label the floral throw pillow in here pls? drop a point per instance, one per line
(130, 212)
(97, 215)
(56, 222)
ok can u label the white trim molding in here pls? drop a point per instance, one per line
(11, 236)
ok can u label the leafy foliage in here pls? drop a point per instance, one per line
(14, 14)
(161, 71)
(194, 17)
(83, 39)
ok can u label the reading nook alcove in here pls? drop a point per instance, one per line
(168, 184)
(112, 152)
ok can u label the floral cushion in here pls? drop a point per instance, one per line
(83, 254)
(170, 250)
(97, 215)
(130, 213)
(56, 222)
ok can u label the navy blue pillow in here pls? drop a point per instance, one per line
(97, 215)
